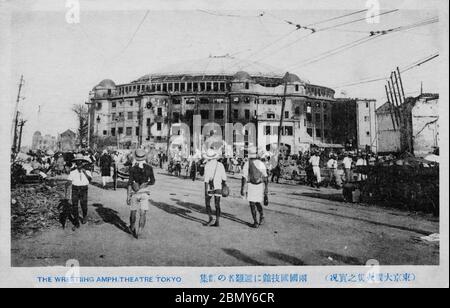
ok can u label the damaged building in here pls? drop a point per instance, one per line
(220, 89)
(412, 127)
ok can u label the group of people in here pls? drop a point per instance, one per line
(254, 187)
(255, 170)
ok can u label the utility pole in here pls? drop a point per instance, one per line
(16, 114)
(140, 120)
(21, 124)
(401, 84)
(169, 122)
(401, 97)
(397, 119)
(89, 125)
(390, 107)
(283, 107)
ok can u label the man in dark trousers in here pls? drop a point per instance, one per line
(80, 178)
(138, 196)
(105, 167)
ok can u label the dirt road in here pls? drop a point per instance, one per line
(304, 226)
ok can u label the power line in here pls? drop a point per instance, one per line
(336, 18)
(403, 70)
(355, 21)
(334, 51)
(373, 35)
(231, 15)
(421, 63)
(135, 33)
(298, 27)
(266, 46)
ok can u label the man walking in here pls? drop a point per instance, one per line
(80, 178)
(256, 180)
(315, 163)
(138, 194)
(215, 177)
(105, 167)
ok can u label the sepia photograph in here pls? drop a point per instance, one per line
(196, 136)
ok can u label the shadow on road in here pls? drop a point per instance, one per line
(65, 208)
(183, 213)
(202, 210)
(376, 223)
(242, 257)
(286, 258)
(110, 216)
(330, 197)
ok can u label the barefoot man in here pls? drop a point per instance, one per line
(256, 180)
(138, 197)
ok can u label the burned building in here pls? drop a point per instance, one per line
(221, 90)
(412, 127)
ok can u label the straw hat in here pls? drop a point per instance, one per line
(140, 155)
(211, 154)
(81, 158)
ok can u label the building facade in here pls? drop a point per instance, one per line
(43, 143)
(355, 124)
(67, 141)
(220, 90)
(413, 127)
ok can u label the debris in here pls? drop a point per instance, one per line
(35, 207)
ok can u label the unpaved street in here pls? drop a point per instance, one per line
(304, 226)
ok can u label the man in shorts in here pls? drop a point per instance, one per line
(138, 196)
(256, 180)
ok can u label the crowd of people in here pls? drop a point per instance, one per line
(315, 168)
(256, 170)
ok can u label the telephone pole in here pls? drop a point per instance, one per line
(16, 114)
(89, 124)
(283, 107)
(21, 124)
(169, 122)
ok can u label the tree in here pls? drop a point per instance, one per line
(82, 114)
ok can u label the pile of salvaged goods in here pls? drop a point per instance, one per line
(412, 185)
(36, 207)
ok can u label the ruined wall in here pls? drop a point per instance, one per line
(425, 124)
(389, 139)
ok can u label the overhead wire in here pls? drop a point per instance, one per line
(402, 70)
(298, 27)
(373, 35)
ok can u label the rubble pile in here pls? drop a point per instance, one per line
(409, 187)
(35, 207)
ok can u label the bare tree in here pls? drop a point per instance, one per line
(82, 114)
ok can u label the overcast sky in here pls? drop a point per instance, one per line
(62, 62)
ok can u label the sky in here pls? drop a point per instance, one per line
(62, 62)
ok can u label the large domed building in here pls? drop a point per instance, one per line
(221, 90)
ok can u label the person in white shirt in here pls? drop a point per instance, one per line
(80, 178)
(315, 162)
(348, 162)
(255, 177)
(333, 166)
(215, 177)
(359, 163)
